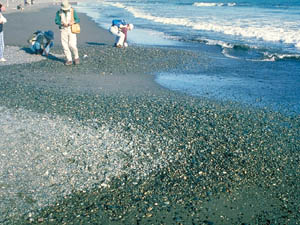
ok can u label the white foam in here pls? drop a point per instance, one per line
(267, 33)
(270, 30)
(213, 4)
(274, 56)
(225, 53)
(231, 4)
(206, 4)
(218, 42)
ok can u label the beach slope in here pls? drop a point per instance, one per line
(102, 143)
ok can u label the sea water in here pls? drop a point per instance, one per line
(253, 45)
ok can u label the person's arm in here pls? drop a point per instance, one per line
(2, 19)
(76, 18)
(121, 26)
(58, 19)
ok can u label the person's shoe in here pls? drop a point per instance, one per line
(76, 61)
(119, 46)
(68, 63)
(2, 60)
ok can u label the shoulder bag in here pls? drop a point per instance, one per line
(75, 28)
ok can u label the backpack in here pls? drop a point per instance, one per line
(37, 36)
(118, 23)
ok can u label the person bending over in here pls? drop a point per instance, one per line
(41, 42)
(119, 28)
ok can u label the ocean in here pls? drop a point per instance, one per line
(253, 46)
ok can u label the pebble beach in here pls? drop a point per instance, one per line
(102, 143)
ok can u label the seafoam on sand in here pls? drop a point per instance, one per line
(44, 158)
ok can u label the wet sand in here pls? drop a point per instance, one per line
(102, 143)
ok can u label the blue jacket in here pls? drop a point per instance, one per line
(118, 23)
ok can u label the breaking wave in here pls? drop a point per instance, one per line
(212, 4)
(265, 32)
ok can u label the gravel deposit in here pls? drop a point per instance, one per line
(93, 144)
(45, 158)
(17, 55)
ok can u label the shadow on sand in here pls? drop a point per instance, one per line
(95, 43)
(50, 56)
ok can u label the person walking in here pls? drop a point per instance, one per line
(2, 21)
(65, 18)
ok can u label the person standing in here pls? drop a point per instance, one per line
(65, 18)
(2, 21)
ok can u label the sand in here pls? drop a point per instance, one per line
(22, 25)
(102, 143)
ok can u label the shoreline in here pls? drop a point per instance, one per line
(15, 34)
(11, 7)
(106, 143)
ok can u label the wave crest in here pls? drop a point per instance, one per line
(212, 4)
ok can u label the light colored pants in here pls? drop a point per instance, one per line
(120, 36)
(1, 45)
(69, 43)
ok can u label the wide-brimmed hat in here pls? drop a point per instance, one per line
(49, 35)
(65, 5)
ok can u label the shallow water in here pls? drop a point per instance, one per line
(260, 84)
(252, 46)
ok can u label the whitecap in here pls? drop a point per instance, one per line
(213, 4)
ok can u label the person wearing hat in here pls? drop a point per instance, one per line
(119, 28)
(2, 21)
(42, 42)
(65, 18)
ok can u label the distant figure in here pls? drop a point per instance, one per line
(119, 28)
(42, 42)
(65, 18)
(19, 7)
(2, 22)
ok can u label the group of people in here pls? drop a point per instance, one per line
(42, 41)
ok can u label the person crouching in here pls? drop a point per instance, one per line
(119, 28)
(41, 42)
